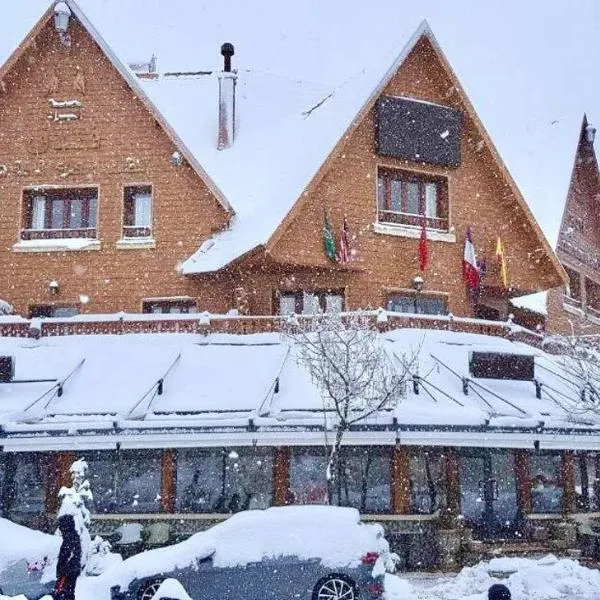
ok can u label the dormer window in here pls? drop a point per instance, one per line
(137, 213)
(403, 198)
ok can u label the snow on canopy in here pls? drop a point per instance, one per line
(193, 389)
(22, 543)
(332, 534)
(291, 58)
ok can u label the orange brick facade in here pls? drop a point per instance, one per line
(117, 142)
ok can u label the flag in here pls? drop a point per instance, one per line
(344, 255)
(423, 246)
(502, 262)
(470, 270)
(328, 240)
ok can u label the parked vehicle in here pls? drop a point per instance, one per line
(300, 552)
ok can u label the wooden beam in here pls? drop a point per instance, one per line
(453, 499)
(281, 476)
(569, 499)
(400, 484)
(56, 476)
(168, 480)
(523, 476)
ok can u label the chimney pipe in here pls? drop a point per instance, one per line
(227, 83)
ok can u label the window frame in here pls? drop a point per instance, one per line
(86, 196)
(415, 297)
(186, 303)
(386, 212)
(38, 308)
(299, 295)
(130, 229)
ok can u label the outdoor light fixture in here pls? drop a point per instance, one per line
(176, 159)
(54, 287)
(62, 14)
(590, 133)
(418, 283)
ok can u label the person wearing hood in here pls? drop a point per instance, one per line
(68, 567)
(499, 592)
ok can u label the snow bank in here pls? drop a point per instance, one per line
(333, 534)
(20, 543)
(172, 590)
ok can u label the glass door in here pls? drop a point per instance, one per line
(489, 493)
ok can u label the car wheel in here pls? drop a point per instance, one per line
(148, 589)
(335, 587)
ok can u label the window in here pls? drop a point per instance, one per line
(166, 306)
(60, 213)
(363, 479)
(546, 483)
(310, 303)
(24, 495)
(126, 481)
(51, 310)
(224, 479)
(574, 287)
(137, 220)
(587, 481)
(427, 483)
(404, 198)
(418, 303)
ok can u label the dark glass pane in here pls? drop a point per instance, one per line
(396, 195)
(546, 483)
(429, 305)
(308, 482)
(403, 304)
(64, 311)
(587, 480)
(57, 212)
(412, 198)
(76, 215)
(201, 480)
(427, 487)
(381, 193)
(93, 212)
(27, 496)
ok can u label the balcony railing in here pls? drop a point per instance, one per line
(131, 231)
(399, 218)
(56, 234)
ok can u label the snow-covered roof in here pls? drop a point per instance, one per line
(188, 389)
(290, 58)
(534, 302)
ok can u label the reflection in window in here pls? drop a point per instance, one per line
(224, 479)
(587, 481)
(423, 304)
(127, 481)
(427, 487)
(25, 493)
(546, 483)
(362, 481)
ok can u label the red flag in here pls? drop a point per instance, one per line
(344, 255)
(470, 269)
(423, 246)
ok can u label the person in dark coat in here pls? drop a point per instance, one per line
(499, 592)
(68, 567)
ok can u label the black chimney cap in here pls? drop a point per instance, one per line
(227, 49)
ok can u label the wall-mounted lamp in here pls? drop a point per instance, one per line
(176, 159)
(418, 283)
(590, 133)
(62, 14)
(54, 287)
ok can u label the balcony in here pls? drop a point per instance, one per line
(57, 234)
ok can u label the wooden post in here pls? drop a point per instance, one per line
(281, 477)
(400, 481)
(452, 481)
(57, 475)
(569, 499)
(168, 480)
(523, 475)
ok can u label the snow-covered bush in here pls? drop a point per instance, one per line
(6, 308)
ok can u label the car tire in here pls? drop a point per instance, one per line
(147, 590)
(335, 587)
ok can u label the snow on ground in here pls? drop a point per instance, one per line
(547, 578)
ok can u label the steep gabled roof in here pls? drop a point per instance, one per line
(129, 77)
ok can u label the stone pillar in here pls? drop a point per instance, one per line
(168, 480)
(400, 487)
(281, 477)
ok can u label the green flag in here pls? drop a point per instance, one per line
(328, 240)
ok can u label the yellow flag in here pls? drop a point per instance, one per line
(502, 261)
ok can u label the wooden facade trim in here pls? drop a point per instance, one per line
(453, 494)
(569, 498)
(523, 477)
(57, 476)
(168, 480)
(281, 476)
(400, 481)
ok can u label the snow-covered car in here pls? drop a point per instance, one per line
(299, 552)
(27, 560)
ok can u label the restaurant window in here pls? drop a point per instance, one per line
(546, 482)
(417, 303)
(38, 311)
(24, 487)
(310, 303)
(573, 289)
(137, 211)
(587, 481)
(224, 480)
(125, 481)
(169, 306)
(405, 198)
(363, 479)
(59, 213)
(427, 481)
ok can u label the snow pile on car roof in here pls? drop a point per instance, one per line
(23, 543)
(332, 534)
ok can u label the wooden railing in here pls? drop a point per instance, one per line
(131, 231)
(399, 218)
(57, 234)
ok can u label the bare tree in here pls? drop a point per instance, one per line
(357, 375)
